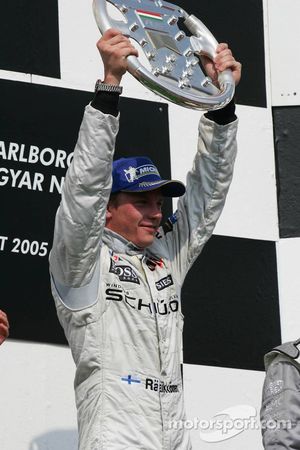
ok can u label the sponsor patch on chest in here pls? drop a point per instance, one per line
(124, 273)
(164, 283)
(160, 307)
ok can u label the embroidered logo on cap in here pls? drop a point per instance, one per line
(134, 173)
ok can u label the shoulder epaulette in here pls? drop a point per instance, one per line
(289, 349)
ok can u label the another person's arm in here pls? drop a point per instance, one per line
(4, 327)
(280, 412)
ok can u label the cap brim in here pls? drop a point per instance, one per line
(169, 188)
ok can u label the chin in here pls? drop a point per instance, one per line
(143, 243)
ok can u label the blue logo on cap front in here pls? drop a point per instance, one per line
(134, 173)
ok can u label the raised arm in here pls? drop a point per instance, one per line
(209, 180)
(81, 215)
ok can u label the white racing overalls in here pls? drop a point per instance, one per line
(119, 305)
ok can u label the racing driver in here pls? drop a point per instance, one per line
(116, 274)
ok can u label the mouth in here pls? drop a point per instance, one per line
(151, 228)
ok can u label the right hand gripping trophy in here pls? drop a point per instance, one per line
(175, 70)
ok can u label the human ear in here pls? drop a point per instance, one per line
(108, 212)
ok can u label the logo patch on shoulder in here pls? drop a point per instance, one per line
(168, 225)
(124, 273)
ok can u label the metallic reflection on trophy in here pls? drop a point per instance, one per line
(176, 74)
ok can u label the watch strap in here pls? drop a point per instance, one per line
(103, 87)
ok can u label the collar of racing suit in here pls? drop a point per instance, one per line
(120, 245)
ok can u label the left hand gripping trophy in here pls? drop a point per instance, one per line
(175, 72)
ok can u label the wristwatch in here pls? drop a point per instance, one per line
(102, 87)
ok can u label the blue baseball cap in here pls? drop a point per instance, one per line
(139, 174)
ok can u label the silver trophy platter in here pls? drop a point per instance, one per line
(175, 73)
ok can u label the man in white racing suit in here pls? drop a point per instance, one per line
(116, 275)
